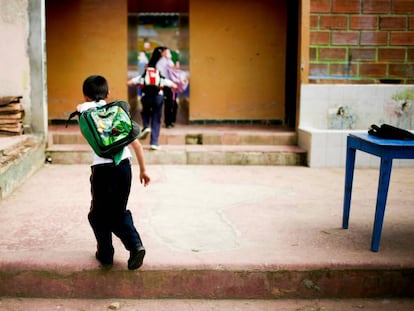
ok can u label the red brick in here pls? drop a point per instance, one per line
(318, 69)
(401, 70)
(363, 54)
(403, 6)
(313, 53)
(389, 54)
(313, 81)
(378, 70)
(345, 38)
(366, 80)
(410, 54)
(314, 21)
(319, 37)
(346, 6)
(393, 23)
(376, 6)
(332, 53)
(364, 22)
(411, 23)
(343, 69)
(320, 6)
(333, 81)
(374, 38)
(333, 22)
(402, 38)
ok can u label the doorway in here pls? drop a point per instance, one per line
(148, 30)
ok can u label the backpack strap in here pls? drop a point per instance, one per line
(72, 115)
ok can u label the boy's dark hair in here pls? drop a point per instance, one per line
(95, 87)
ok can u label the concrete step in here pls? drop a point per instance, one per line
(37, 304)
(86, 281)
(208, 282)
(196, 135)
(20, 157)
(219, 145)
(192, 154)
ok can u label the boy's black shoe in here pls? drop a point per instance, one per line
(136, 257)
(104, 265)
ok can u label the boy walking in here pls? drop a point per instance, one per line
(110, 189)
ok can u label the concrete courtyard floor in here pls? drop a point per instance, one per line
(221, 217)
(215, 215)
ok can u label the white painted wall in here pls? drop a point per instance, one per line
(368, 104)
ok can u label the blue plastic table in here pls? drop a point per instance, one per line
(387, 150)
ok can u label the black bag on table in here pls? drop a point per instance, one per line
(390, 132)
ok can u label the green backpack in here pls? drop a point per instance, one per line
(107, 128)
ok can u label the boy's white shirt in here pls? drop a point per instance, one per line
(126, 153)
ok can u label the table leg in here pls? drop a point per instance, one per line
(383, 184)
(349, 177)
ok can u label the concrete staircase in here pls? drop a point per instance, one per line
(20, 157)
(194, 144)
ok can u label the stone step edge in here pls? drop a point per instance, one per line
(190, 148)
(13, 149)
(193, 155)
(195, 140)
(204, 138)
(20, 157)
(208, 284)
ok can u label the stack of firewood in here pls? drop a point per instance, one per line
(11, 115)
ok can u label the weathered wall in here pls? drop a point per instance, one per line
(84, 37)
(37, 55)
(237, 59)
(14, 63)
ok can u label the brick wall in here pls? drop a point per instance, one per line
(361, 41)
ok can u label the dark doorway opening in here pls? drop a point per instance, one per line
(292, 62)
(152, 24)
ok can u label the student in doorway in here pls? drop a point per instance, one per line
(110, 189)
(164, 65)
(152, 99)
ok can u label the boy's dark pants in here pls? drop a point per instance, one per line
(110, 187)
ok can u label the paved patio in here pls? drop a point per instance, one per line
(197, 220)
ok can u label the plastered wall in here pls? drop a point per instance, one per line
(237, 55)
(237, 59)
(84, 37)
(14, 63)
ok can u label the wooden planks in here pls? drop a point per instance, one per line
(11, 115)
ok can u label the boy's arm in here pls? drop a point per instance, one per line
(139, 153)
